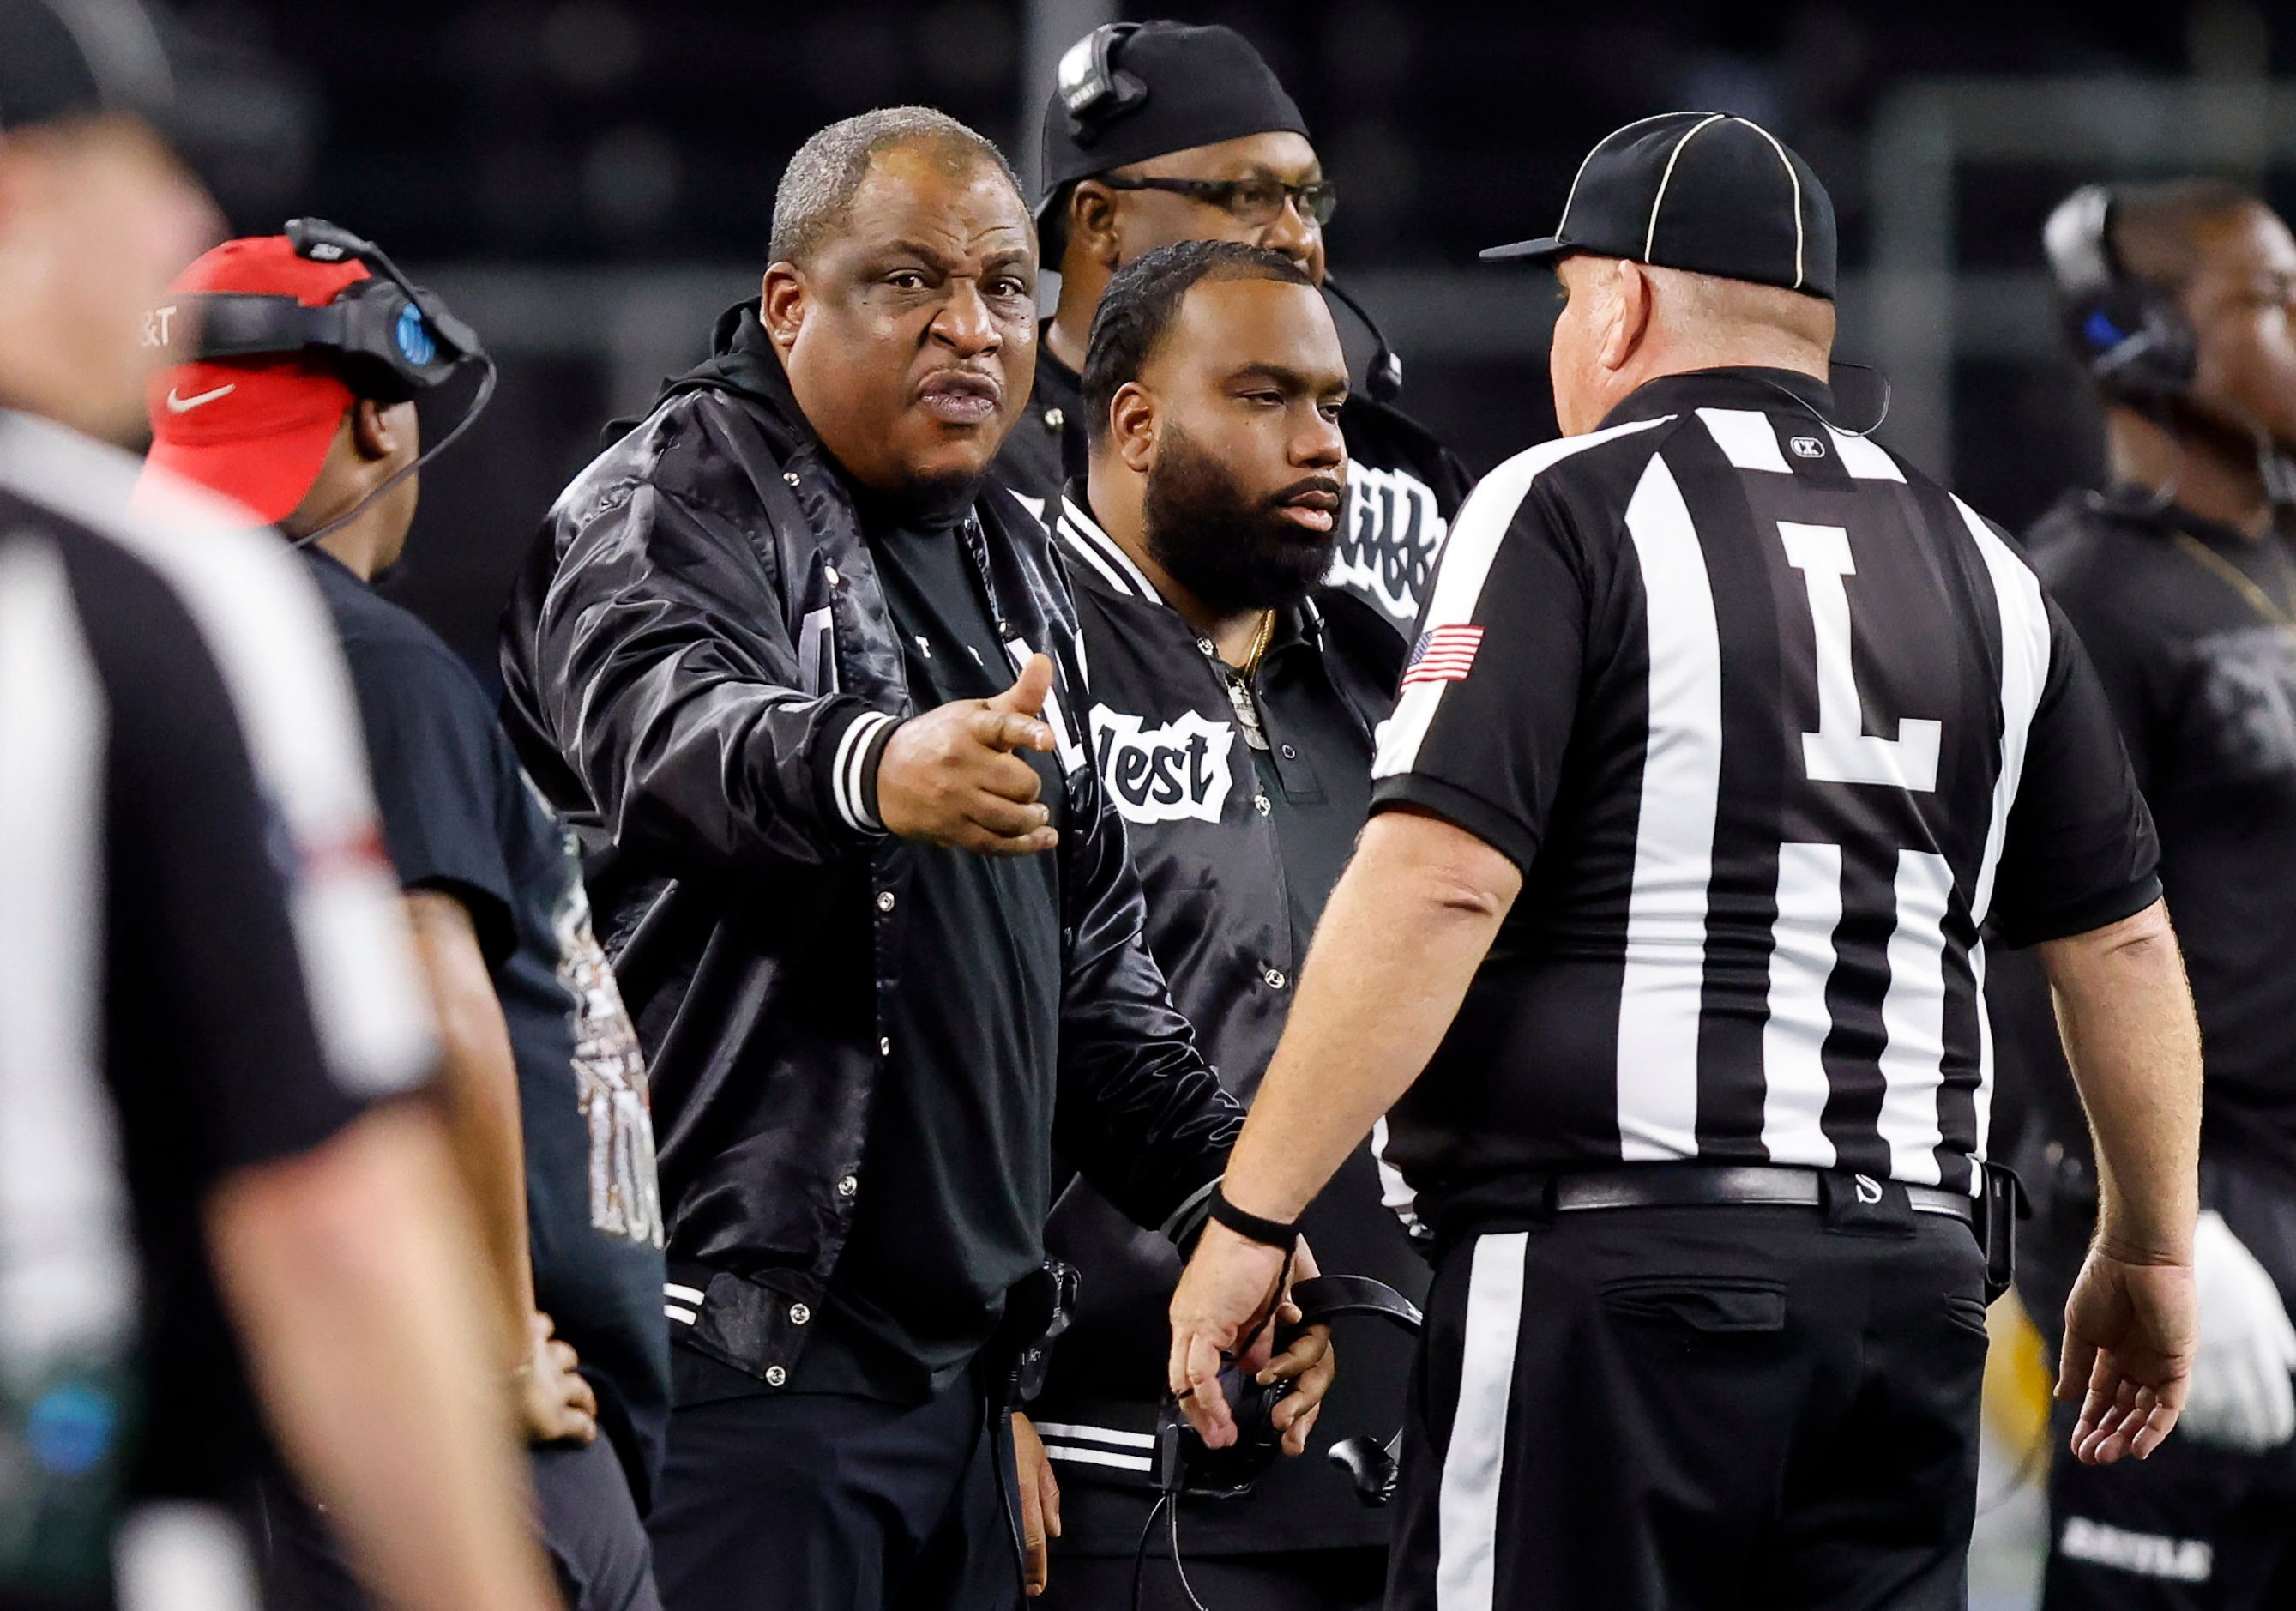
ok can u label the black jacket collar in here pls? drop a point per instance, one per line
(742, 362)
(1722, 389)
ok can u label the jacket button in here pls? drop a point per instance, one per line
(1289, 753)
(789, 476)
(847, 1186)
(800, 1314)
(884, 1045)
(1263, 804)
(831, 572)
(1207, 646)
(775, 1376)
(885, 900)
(1054, 419)
(1274, 977)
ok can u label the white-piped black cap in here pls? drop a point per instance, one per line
(1705, 191)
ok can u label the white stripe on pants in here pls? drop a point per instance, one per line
(1465, 1570)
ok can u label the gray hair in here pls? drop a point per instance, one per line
(817, 188)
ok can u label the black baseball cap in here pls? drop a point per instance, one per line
(1705, 191)
(1129, 91)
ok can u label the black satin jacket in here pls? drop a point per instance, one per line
(697, 661)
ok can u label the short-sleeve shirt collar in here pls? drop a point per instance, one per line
(1722, 389)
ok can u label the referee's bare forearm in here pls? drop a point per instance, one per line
(2126, 1013)
(1405, 930)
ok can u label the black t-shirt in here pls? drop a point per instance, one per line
(459, 817)
(964, 1106)
(2200, 672)
(1771, 724)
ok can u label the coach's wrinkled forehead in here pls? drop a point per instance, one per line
(813, 203)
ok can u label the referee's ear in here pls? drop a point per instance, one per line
(1626, 314)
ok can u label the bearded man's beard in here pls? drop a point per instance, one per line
(1231, 550)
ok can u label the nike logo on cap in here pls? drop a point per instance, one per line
(184, 405)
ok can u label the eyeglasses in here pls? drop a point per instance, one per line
(1254, 201)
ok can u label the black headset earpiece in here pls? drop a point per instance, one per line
(2131, 336)
(397, 339)
(1384, 375)
(1092, 89)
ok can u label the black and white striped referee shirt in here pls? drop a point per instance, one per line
(1774, 727)
(204, 963)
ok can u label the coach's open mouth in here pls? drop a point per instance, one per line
(961, 396)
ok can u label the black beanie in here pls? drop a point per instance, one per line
(1180, 86)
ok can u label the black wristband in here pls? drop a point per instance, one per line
(1250, 1227)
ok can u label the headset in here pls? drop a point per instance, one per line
(1186, 1466)
(1095, 92)
(2131, 336)
(395, 340)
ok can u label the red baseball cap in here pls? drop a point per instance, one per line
(255, 429)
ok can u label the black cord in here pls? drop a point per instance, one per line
(1888, 394)
(1140, 1550)
(1172, 1520)
(470, 417)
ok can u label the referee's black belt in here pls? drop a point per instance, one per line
(1718, 1184)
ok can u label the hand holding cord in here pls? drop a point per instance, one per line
(1186, 1466)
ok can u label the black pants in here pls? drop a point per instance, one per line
(1666, 1409)
(2194, 1528)
(590, 1526)
(1303, 1580)
(826, 1502)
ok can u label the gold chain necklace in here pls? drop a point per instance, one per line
(1239, 683)
(1266, 634)
(2242, 583)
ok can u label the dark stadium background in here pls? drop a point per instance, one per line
(590, 180)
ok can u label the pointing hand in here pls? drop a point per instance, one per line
(952, 776)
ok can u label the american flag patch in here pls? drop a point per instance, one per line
(1444, 654)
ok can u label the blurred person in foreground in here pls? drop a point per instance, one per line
(1232, 700)
(542, 1083)
(2179, 300)
(1726, 734)
(1159, 132)
(217, 1176)
(815, 684)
